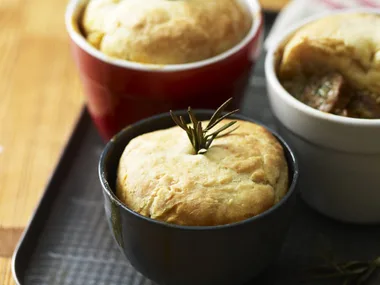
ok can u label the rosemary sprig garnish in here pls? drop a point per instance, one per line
(350, 272)
(200, 139)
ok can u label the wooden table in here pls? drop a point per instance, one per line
(40, 99)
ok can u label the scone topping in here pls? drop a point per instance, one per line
(193, 175)
(198, 136)
(165, 32)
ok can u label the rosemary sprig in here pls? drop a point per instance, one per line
(350, 272)
(200, 139)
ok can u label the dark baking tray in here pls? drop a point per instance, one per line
(68, 241)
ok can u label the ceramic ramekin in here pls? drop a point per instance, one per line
(187, 255)
(120, 92)
(339, 156)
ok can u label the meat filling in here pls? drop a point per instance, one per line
(331, 93)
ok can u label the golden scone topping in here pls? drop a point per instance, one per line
(340, 56)
(241, 175)
(164, 31)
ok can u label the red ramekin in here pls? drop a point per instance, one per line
(120, 92)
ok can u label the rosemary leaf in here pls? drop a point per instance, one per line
(177, 121)
(226, 126)
(227, 133)
(193, 120)
(218, 112)
(183, 122)
(195, 141)
(190, 138)
(210, 126)
(199, 133)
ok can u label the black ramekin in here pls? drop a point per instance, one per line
(187, 255)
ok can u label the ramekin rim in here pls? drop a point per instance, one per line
(78, 39)
(108, 191)
(281, 92)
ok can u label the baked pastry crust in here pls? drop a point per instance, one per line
(163, 31)
(346, 43)
(242, 175)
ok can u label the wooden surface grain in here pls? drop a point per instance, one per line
(273, 5)
(40, 99)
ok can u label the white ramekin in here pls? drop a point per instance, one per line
(339, 156)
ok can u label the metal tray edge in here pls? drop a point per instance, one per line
(82, 121)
